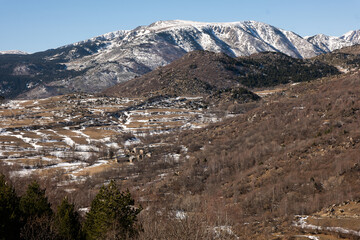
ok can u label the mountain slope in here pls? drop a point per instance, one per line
(203, 72)
(291, 155)
(196, 73)
(145, 48)
(117, 57)
(330, 43)
(352, 36)
(345, 59)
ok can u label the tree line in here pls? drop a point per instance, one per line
(113, 215)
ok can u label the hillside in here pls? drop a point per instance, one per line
(95, 64)
(203, 73)
(295, 152)
(271, 69)
(198, 72)
(346, 59)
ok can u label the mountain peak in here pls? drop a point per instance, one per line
(352, 36)
(331, 43)
(119, 56)
(162, 25)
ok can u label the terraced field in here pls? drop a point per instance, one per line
(79, 135)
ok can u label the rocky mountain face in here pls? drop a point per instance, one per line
(101, 62)
(330, 43)
(204, 73)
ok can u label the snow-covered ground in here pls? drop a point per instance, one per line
(302, 223)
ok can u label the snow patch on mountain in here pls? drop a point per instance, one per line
(13, 52)
(352, 36)
(122, 55)
(328, 43)
(331, 43)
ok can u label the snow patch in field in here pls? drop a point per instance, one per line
(112, 145)
(68, 140)
(227, 230)
(85, 148)
(46, 159)
(15, 104)
(84, 210)
(132, 141)
(99, 163)
(22, 173)
(307, 236)
(68, 166)
(30, 141)
(84, 155)
(172, 157)
(301, 222)
(180, 215)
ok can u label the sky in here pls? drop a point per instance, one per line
(38, 25)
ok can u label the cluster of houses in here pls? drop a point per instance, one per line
(132, 155)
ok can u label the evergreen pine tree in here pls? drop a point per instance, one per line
(9, 211)
(34, 203)
(112, 214)
(37, 214)
(67, 222)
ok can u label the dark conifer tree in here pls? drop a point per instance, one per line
(9, 211)
(37, 214)
(67, 222)
(112, 215)
(34, 203)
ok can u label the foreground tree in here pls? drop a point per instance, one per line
(37, 214)
(34, 203)
(9, 211)
(67, 222)
(112, 215)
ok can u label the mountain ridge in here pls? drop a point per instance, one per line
(119, 56)
(13, 52)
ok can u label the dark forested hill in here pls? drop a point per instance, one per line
(203, 72)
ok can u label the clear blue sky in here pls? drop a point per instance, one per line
(37, 25)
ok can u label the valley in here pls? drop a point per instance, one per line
(80, 134)
(216, 130)
(175, 152)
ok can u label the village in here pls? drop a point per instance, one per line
(81, 134)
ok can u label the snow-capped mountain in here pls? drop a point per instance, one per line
(115, 57)
(121, 56)
(13, 52)
(352, 36)
(111, 36)
(331, 43)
